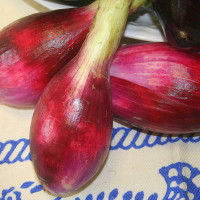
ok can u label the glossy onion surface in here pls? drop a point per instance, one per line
(181, 22)
(71, 131)
(34, 48)
(155, 87)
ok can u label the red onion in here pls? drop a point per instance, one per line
(156, 87)
(72, 123)
(34, 48)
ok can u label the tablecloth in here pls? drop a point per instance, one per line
(141, 165)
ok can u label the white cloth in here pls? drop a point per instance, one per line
(140, 166)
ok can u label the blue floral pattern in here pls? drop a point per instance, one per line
(179, 177)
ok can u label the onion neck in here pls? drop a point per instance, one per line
(104, 36)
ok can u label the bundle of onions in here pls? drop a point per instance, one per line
(173, 110)
(153, 86)
(22, 82)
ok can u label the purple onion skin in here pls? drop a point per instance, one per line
(70, 135)
(155, 87)
(34, 48)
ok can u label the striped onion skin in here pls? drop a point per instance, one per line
(34, 48)
(157, 88)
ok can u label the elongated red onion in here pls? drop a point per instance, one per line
(72, 123)
(156, 87)
(34, 48)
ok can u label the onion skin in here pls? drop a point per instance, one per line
(72, 123)
(70, 139)
(155, 87)
(34, 48)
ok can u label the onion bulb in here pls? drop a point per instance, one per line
(156, 87)
(34, 48)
